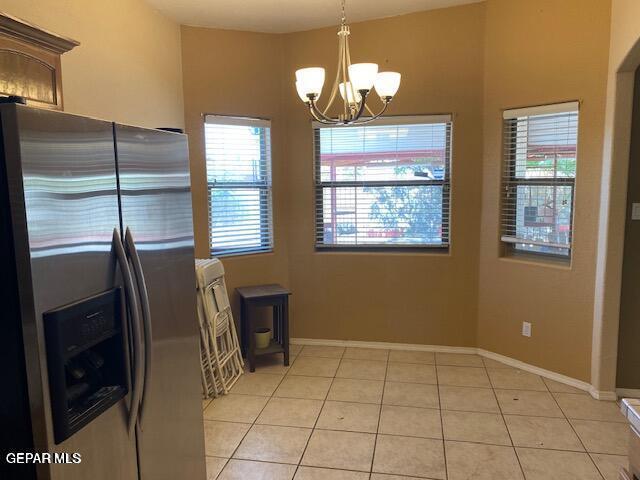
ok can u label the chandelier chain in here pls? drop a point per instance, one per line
(344, 15)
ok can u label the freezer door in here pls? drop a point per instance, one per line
(153, 169)
(64, 206)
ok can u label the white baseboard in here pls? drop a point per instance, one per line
(628, 392)
(512, 362)
(382, 345)
(558, 377)
(603, 395)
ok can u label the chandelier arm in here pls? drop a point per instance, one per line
(369, 110)
(334, 89)
(361, 106)
(348, 62)
(372, 118)
(345, 99)
(318, 115)
(319, 119)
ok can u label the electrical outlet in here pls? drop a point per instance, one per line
(526, 329)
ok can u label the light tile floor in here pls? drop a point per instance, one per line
(366, 414)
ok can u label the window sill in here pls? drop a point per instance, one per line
(401, 251)
(537, 260)
(241, 254)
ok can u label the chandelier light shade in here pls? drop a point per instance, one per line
(311, 80)
(347, 93)
(354, 83)
(363, 75)
(387, 84)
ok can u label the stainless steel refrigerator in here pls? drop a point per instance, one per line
(98, 338)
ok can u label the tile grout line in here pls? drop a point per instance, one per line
(475, 442)
(504, 421)
(313, 429)
(444, 385)
(291, 362)
(343, 357)
(444, 444)
(575, 432)
(319, 468)
(381, 406)
(267, 402)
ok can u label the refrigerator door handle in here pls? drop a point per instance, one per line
(135, 329)
(146, 316)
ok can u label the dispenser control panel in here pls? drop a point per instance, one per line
(86, 360)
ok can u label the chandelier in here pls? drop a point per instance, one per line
(353, 81)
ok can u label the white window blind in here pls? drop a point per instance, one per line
(384, 185)
(540, 157)
(238, 156)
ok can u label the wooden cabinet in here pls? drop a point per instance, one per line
(30, 64)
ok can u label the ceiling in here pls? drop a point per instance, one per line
(281, 16)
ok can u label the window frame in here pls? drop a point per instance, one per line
(319, 185)
(264, 187)
(510, 181)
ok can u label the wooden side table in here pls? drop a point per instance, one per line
(274, 296)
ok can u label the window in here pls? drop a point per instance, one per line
(238, 153)
(384, 185)
(540, 156)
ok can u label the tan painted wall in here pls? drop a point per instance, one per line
(625, 31)
(537, 53)
(424, 298)
(472, 61)
(127, 67)
(236, 73)
(427, 298)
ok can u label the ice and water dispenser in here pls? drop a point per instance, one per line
(86, 355)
